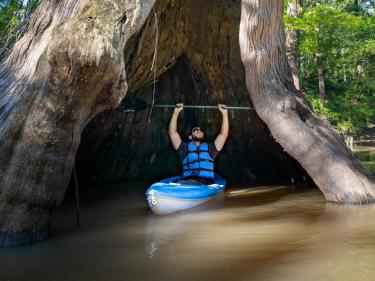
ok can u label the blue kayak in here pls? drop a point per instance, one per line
(169, 196)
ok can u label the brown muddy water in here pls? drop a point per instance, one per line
(262, 233)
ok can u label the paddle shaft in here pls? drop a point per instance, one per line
(204, 106)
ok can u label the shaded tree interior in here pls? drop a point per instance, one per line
(198, 62)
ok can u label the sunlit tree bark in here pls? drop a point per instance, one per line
(67, 68)
(309, 139)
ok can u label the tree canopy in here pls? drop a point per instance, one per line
(14, 19)
(343, 32)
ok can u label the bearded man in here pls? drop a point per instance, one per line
(197, 156)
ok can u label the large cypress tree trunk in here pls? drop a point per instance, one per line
(70, 66)
(65, 70)
(306, 137)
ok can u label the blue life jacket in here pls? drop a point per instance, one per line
(198, 162)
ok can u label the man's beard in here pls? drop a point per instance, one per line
(195, 138)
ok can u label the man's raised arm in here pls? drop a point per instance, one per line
(172, 130)
(222, 137)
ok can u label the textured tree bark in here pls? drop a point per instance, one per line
(292, 40)
(70, 66)
(64, 71)
(305, 136)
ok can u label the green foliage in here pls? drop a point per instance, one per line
(14, 19)
(8, 17)
(345, 35)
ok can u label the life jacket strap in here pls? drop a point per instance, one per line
(197, 151)
(199, 160)
(198, 169)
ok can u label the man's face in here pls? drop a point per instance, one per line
(197, 134)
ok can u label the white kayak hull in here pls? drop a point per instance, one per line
(172, 195)
(161, 205)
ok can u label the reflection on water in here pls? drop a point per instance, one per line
(278, 233)
(161, 230)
